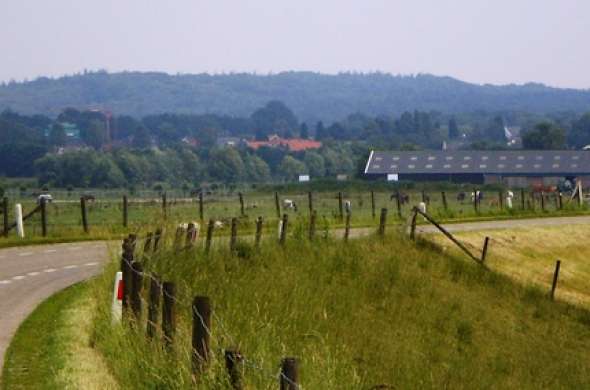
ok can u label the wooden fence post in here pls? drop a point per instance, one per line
(201, 328)
(234, 235)
(165, 205)
(501, 199)
(153, 307)
(424, 197)
(373, 203)
(444, 200)
(542, 201)
(210, 228)
(157, 238)
(289, 379)
(310, 201)
(43, 217)
(277, 205)
(168, 313)
(340, 207)
(398, 202)
(382, 222)
(283, 237)
(84, 214)
(136, 286)
(522, 198)
(125, 211)
(413, 225)
(126, 261)
(475, 200)
(347, 227)
(5, 215)
(560, 201)
(191, 235)
(258, 235)
(241, 203)
(555, 276)
(201, 206)
(233, 363)
(485, 249)
(312, 224)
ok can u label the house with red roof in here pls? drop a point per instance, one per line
(291, 144)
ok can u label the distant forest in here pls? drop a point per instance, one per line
(311, 96)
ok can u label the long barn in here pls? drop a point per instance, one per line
(513, 168)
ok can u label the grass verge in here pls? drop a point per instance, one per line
(371, 313)
(51, 349)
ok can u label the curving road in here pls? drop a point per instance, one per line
(29, 275)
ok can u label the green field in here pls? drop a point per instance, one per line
(372, 313)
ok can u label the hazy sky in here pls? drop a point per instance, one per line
(483, 41)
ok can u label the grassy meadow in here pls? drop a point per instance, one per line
(372, 313)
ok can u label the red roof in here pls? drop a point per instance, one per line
(293, 144)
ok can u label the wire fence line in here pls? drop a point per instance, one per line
(252, 363)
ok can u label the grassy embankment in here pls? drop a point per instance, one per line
(51, 349)
(106, 221)
(367, 313)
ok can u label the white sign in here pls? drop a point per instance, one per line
(392, 177)
(303, 178)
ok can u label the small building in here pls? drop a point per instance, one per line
(518, 168)
(228, 142)
(291, 144)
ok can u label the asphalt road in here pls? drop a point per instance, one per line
(29, 275)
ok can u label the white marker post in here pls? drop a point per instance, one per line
(18, 213)
(280, 228)
(117, 305)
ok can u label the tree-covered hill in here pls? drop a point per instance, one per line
(312, 96)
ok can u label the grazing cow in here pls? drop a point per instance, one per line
(288, 204)
(348, 206)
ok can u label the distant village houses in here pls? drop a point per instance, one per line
(292, 144)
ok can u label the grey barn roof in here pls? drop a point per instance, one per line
(513, 162)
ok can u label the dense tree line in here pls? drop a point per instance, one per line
(312, 96)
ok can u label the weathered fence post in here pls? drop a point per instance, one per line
(340, 206)
(5, 215)
(258, 235)
(424, 196)
(373, 203)
(241, 203)
(560, 201)
(398, 204)
(382, 222)
(475, 200)
(312, 224)
(191, 235)
(234, 235)
(164, 205)
(555, 276)
(283, 236)
(443, 196)
(157, 238)
(542, 201)
(201, 206)
(310, 201)
(277, 205)
(125, 211)
(347, 227)
(136, 286)
(84, 214)
(210, 228)
(289, 379)
(413, 224)
(485, 249)
(126, 261)
(522, 198)
(43, 217)
(201, 328)
(233, 363)
(501, 199)
(153, 307)
(168, 312)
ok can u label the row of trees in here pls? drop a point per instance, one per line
(188, 166)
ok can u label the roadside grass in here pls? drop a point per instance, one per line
(528, 255)
(51, 349)
(372, 312)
